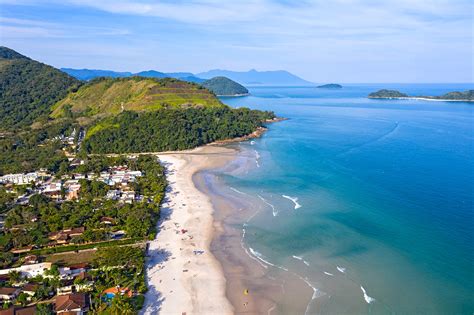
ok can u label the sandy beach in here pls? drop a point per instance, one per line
(183, 276)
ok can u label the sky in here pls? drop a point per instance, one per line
(341, 41)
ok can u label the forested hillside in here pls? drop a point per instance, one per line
(223, 86)
(172, 129)
(28, 89)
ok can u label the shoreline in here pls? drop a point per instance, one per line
(253, 285)
(183, 276)
(419, 99)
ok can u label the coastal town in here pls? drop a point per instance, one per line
(74, 241)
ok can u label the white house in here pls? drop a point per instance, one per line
(29, 271)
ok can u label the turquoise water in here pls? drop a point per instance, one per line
(385, 197)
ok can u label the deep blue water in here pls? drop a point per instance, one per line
(386, 189)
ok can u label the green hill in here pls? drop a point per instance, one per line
(458, 96)
(107, 96)
(28, 88)
(387, 94)
(223, 86)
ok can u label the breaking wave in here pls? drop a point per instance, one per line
(260, 257)
(257, 158)
(238, 191)
(294, 199)
(341, 269)
(274, 212)
(301, 258)
(367, 298)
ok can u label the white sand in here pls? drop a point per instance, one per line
(179, 280)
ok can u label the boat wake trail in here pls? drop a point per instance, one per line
(294, 199)
(381, 137)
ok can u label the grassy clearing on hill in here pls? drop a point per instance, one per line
(107, 96)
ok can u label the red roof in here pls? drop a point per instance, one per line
(71, 302)
(116, 290)
(79, 266)
(31, 287)
(8, 291)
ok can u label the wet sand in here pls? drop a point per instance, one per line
(252, 286)
(199, 262)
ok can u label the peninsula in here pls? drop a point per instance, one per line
(466, 96)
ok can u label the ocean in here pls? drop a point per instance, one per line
(370, 202)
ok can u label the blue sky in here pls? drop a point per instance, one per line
(322, 41)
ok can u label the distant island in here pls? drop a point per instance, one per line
(466, 96)
(387, 94)
(222, 86)
(330, 86)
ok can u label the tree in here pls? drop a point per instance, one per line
(15, 276)
(44, 309)
(53, 271)
(22, 298)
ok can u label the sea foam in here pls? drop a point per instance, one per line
(294, 199)
(260, 257)
(301, 258)
(257, 158)
(274, 212)
(237, 191)
(341, 269)
(367, 298)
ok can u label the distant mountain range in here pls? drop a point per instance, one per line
(88, 74)
(252, 77)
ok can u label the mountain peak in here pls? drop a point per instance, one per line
(254, 77)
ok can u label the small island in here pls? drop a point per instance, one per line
(466, 96)
(222, 86)
(387, 94)
(330, 86)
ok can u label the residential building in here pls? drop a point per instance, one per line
(75, 303)
(9, 294)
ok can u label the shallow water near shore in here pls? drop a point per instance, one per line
(368, 201)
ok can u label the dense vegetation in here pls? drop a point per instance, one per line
(28, 89)
(31, 150)
(330, 86)
(454, 96)
(223, 86)
(172, 129)
(465, 96)
(387, 94)
(106, 96)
